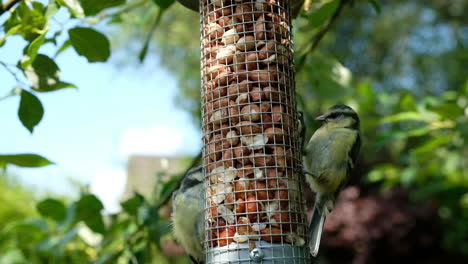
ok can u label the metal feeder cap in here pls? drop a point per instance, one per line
(194, 4)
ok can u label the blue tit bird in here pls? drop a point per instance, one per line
(188, 214)
(331, 155)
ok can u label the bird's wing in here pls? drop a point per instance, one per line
(332, 148)
(354, 152)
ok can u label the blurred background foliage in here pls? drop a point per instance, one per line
(401, 64)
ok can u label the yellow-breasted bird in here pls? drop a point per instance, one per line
(188, 219)
(330, 157)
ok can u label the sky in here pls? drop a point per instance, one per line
(90, 132)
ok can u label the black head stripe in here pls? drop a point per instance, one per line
(348, 113)
(340, 107)
(189, 183)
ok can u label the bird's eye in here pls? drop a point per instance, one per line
(334, 116)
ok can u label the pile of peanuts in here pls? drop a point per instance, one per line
(252, 152)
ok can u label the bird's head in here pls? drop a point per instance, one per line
(340, 116)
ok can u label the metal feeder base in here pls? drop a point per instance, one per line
(265, 253)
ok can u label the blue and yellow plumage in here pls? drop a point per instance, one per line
(330, 157)
(188, 221)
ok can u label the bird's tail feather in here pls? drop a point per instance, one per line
(322, 208)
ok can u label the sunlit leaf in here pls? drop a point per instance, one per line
(448, 110)
(13, 256)
(51, 9)
(14, 30)
(407, 103)
(32, 20)
(404, 116)
(388, 173)
(31, 51)
(433, 143)
(44, 75)
(25, 160)
(464, 201)
(90, 43)
(52, 208)
(30, 110)
(74, 7)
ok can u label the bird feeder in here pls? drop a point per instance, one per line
(255, 210)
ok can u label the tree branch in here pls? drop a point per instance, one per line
(9, 4)
(315, 40)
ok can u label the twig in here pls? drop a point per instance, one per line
(14, 74)
(8, 5)
(127, 8)
(318, 37)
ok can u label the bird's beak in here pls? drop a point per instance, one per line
(321, 118)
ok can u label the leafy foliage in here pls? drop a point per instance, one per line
(399, 63)
(79, 232)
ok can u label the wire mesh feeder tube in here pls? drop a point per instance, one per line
(252, 160)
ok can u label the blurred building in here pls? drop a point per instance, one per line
(144, 171)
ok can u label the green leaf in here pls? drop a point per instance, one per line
(43, 74)
(169, 186)
(25, 160)
(90, 43)
(376, 5)
(433, 143)
(31, 51)
(88, 209)
(13, 256)
(30, 110)
(74, 7)
(164, 4)
(131, 205)
(404, 116)
(407, 103)
(62, 48)
(318, 17)
(449, 111)
(33, 21)
(14, 30)
(52, 208)
(51, 10)
(92, 7)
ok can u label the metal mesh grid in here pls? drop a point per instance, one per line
(252, 148)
